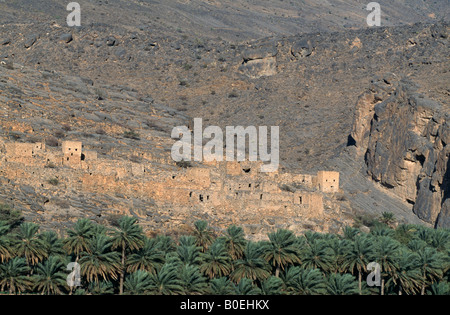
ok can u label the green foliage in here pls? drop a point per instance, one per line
(78, 239)
(318, 254)
(167, 281)
(339, 284)
(203, 234)
(216, 261)
(101, 288)
(282, 249)
(387, 218)
(189, 254)
(100, 261)
(246, 287)
(6, 249)
(235, 242)
(11, 217)
(53, 245)
(413, 260)
(13, 276)
(272, 286)
(129, 235)
(50, 278)
(350, 233)
(138, 283)
(252, 266)
(359, 255)
(28, 244)
(192, 280)
(304, 282)
(221, 286)
(149, 258)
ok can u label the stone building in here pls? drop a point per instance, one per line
(328, 182)
(231, 189)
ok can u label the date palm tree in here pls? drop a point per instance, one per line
(188, 251)
(252, 266)
(345, 284)
(318, 254)
(187, 240)
(138, 283)
(78, 240)
(350, 233)
(340, 248)
(149, 258)
(99, 261)
(283, 249)
(439, 288)
(101, 288)
(129, 236)
(216, 261)
(358, 256)
(29, 245)
(272, 286)
(192, 280)
(406, 276)
(167, 281)
(221, 286)
(5, 243)
(382, 230)
(424, 234)
(13, 276)
(440, 239)
(404, 233)
(246, 287)
(430, 264)
(189, 254)
(387, 218)
(166, 243)
(386, 254)
(203, 235)
(49, 277)
(416, 245)
(304, 282)
(235, 242)
(52, 243)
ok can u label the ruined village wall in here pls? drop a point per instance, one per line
(233, 188)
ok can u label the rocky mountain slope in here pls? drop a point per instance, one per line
(403, 137)
(144, 67)
(228, 19)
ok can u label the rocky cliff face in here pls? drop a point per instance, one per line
(404, 138)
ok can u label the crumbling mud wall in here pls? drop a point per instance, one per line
(225, 191)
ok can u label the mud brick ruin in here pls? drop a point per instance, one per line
(236, 189)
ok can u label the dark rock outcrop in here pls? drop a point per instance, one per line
(404, 138)
(259, 62)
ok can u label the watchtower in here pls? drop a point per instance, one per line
(328, 182)
(72, 151)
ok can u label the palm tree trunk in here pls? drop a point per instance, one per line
(360, 282)
(422, 291)
(400, 290)
(382, 286)
(277, 272)
(11, 288)
(122, 272)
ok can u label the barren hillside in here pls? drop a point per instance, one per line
(136, 69)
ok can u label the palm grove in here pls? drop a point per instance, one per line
(123, 260)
